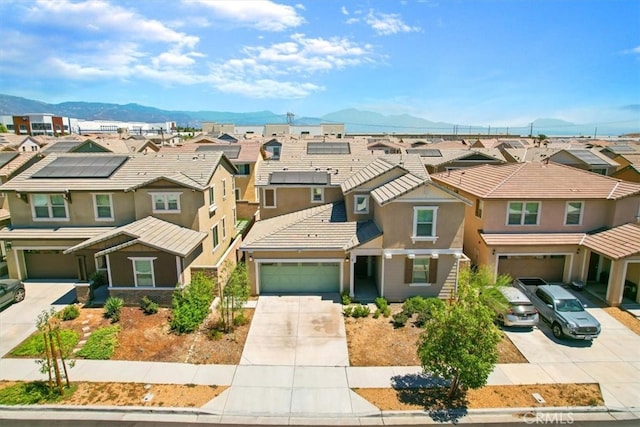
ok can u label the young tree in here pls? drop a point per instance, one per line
(460, 341)
(3, 128)
(55, 358)
(233, 296)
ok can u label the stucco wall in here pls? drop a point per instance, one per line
(293, 199)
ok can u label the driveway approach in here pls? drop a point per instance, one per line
(17, 321)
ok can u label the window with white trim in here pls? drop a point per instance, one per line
(143, 272)
(523, 213)
(212, 195)
(244, 169)
(50, 207)
(317, 194)
(224, 228)
(360, 204)
(269, 200)
(224, 189)
(573, 213)
(424, 222)
(166, 202)
(421, 271)
(235, 216)
(215, 237)
(103, 207)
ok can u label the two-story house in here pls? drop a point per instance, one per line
(144, 221)
(552, 221)
(336, 216)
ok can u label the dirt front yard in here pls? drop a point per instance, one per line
(624, 317)
(375, 342)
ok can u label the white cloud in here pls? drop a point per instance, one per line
(344, 11)
(386, 24)
(633, 51)
(264, 15)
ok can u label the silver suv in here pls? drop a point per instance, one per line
(519, 312)
(565, 313)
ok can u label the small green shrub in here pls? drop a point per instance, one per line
(214, 334)
(360, 311)
(32, 393)
(376, 313)
(381, 303)
(240, 319)
(347, 311)
(148, 306)
(345, 298)
(34, 345)
(101, 344)
(399, 319)
(70, 312)
(414, 305)
(191, 304)
(386, 312)
(113, 308)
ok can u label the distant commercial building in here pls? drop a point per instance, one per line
(35, 124)
(336, 130)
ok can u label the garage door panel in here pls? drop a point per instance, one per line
(50, 265)
(549, 267)
(299, 277)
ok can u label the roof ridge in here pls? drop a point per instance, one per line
(517, 169)
(615, 187)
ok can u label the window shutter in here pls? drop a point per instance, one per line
(408, 270)
(433, 270)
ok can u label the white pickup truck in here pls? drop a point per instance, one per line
(560, 308)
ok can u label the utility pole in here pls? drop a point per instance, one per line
(595, 134)
(531, 130)
(489, 132)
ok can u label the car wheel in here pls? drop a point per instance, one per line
(19, 295)
(557, 330)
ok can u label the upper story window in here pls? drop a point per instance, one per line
(103, 207)
(360, 204)
(424, 222)
(276, 152)
(269, 198)
(212, 198)
(224, 228)
(317, 194)
(49, 207)
(166, 202)
(523, 213)
(479, 207)
(573, 214)
(244, 169)
(224, 189)
(215, 237)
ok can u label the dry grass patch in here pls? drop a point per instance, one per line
(507, 396)
(375, 342)
(624, 317)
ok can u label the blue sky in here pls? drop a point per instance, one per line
(476, 62)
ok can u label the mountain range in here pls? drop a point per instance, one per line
(356, 121)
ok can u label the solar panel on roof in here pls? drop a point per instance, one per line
(81, 167)
(62, 147)
(425, 152)
(588, 157)
(622, 149)
(6, 157)
(231, 151)
(328, 148)
(287, 177)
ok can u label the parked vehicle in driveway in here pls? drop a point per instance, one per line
(560, 308)
(11, 290)
(519, 310)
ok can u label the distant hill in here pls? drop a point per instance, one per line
(355, 121)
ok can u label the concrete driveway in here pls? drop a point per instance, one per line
(18, 321)
(297, 330)
(612, 359)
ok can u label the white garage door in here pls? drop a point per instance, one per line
(297, 277)
(549, 267)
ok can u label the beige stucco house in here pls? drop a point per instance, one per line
(144, 221)
(552, 221)
(336, 216)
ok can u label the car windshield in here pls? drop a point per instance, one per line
(566, 305)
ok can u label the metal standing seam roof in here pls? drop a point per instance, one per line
(153, 232)
(616, 243)
(531, 239)
(396, 188)
(370, 172)
(530, 181)
(193, 171)
(321, 228)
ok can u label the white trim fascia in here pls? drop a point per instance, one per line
(296, 249)
(40, 248)
(179, 270)
(450, 251)
(423, 200)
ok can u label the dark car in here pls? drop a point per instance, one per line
(11, 290)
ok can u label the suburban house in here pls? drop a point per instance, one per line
(630, 172)
(336, 216)
(589, 160)
(552, 221)
(144, 221)
(440, 160)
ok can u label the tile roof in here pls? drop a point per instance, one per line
(588, 157)
(139, 169)
(531, 154)
(396, 188)
(370, 172)
(152, 232)
(535, 181)
(250, 151)
(62, 233)
(532, 239)
(450, 155)
(4, 214)
(619, 242)
(320, 228)
(17, 162)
